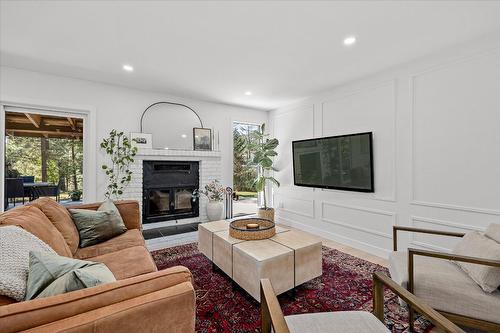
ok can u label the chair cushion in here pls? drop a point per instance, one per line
(61, 219)
(493, 232)
(128, 239)
(128, 262)
(15, 246)
(444, 286)
(50, 274)
(475, 244)
(343, 321)
(33, 220)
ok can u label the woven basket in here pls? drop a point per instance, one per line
(238, 229)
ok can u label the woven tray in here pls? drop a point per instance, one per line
(238, 229)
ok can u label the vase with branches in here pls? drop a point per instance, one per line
(121, 153)
(263, 150)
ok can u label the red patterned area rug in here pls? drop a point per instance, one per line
(346, 285)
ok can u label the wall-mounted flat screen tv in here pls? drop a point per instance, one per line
(343, 162)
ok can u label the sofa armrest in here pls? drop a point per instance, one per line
(397, 228)
(129, 210)
(25, 315)
(167, 310)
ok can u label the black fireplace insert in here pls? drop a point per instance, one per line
(168, 188)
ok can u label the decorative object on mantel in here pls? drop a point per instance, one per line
(202, 138)
(252, 229)
(215, 192)
(263, 150)
(121, 153)
(142, 140)
(171, 125)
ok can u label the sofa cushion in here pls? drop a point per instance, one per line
(129, 211)
(128, 239)
(493, 232)
(477, 245)
(342, 321)
(50, 274)
(33, 220)
(95, 227)
(129, 262)
(15, 246)
(61, 219)
(444, 286)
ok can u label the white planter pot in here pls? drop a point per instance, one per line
(214, 210)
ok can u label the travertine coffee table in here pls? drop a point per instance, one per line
(288, 259)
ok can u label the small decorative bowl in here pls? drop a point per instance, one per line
(246, 229)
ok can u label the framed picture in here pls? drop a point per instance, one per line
(142, 140)
(202, 138)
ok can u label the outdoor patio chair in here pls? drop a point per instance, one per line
(28, 179)
(14, 189)
(344, 321)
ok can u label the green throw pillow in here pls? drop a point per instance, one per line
(97, 226)
(51, 274)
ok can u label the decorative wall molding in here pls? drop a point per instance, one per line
(379, 251)
(414, 219)
(392, 215)
(384, 83)
(292, 211)
(413, 109)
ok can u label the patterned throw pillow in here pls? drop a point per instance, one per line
(51, 274)
(15, 246)
(97, 226)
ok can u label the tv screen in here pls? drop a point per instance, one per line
(342, 162)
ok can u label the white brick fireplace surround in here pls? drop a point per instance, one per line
(210, 169)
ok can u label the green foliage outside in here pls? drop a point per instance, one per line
(64, 161)
(243, 174)
(263, 150)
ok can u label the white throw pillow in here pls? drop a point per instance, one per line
(15, 246)
(474, 244)
(493, 232)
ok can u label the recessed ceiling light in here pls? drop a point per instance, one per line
(128, 68)
(248, 93)
(349, 40)
(183, 136)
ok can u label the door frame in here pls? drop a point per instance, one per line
(87, 113)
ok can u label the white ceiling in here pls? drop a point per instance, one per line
(282, 50)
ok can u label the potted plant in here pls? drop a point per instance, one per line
(215, 192)
(263, 150)
(75, 195)
(121, 153)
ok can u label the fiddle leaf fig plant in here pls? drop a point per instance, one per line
(121, 152)
(263, 149)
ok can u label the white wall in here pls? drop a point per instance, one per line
(436, 151)
(119, 108)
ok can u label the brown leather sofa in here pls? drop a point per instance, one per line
(141, 300)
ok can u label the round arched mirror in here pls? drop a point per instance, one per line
(171, 125)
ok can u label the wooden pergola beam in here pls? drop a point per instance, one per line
(43, 133)
(34, 118)
(71, 123)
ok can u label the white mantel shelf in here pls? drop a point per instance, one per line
(179, 153)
